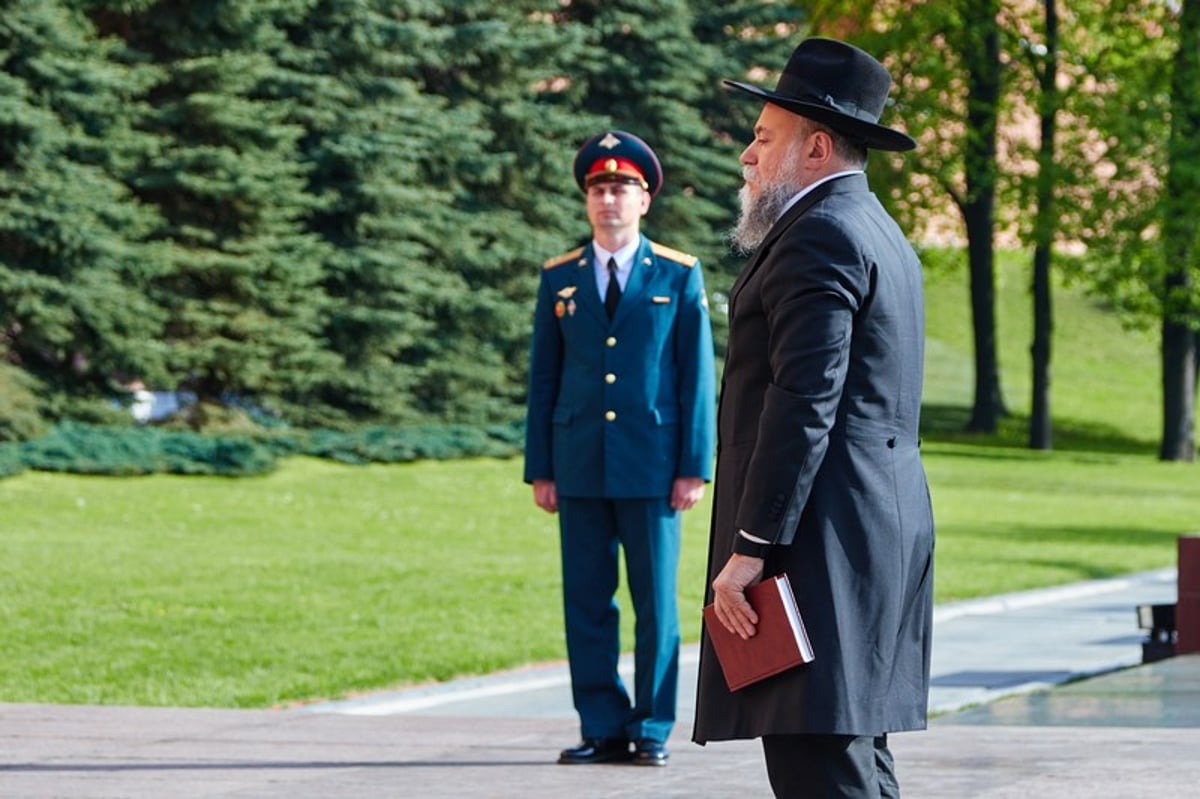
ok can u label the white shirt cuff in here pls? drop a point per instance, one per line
(753, 538)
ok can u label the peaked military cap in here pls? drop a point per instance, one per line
(618, 157)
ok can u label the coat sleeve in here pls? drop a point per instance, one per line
(545, 368)
(697, 380)
(811, 288)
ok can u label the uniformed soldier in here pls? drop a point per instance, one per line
(620, 440)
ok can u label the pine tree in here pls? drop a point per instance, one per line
(746, 40)
(505, 159)
(655, 69)
(643, 71)
(242, 291)
(338, 207)
(74, 257)
(375, 143)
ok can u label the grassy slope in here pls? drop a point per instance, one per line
(1104, 378)
(323, 579)
(1101, 503)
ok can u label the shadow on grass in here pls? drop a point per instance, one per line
(977, 562)
(1026, 536)
(948, 423)
(1081, 569)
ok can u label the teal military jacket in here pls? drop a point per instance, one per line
(620, 408)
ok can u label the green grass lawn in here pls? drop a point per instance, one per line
(322, 580)
(1105, 390)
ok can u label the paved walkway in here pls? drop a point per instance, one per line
(1129, 732)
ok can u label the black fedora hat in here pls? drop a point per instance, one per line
(838, 85)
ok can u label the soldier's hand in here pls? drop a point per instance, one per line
(686, 492)
(545, 495)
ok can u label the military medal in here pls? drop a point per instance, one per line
(559, 309)
(571, 307)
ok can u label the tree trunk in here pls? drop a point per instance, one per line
(1179, 392)
(982, 58)
(989, 405)
(1041, 428)
(1179, 247)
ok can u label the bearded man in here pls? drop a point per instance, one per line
(819, 475)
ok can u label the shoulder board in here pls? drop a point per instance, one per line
(559, 260)
(673, 255)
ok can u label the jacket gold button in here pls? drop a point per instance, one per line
(610, 378)
(610, 416)
(611, 341)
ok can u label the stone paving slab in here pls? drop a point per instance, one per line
(1164, 694)
(1131, 732)
(983, 650)
(139, 753)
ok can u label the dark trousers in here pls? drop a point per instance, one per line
(829, 766)
(593, 531)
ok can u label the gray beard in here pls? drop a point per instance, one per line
(759, 215)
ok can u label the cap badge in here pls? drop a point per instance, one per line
(609, 141)
(610, 165)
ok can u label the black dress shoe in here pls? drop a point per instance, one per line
(650, 753)
(596, 750)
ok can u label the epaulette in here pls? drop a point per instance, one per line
(559, 260)
(674, 255)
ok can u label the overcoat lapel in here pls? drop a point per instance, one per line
(784, 222)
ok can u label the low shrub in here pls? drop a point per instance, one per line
(413, 443)
(88, 449)
(130, 450)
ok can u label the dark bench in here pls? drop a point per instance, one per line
(1160, 621)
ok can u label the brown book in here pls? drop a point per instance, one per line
(779, 641)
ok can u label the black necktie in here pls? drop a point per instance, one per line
(612, 295)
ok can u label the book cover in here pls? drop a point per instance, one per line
(780, 641)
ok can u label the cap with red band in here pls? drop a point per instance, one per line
(615, 170)
(618, 157)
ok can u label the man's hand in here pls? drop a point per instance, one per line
(545, 495)
(686, 492)
(729, 594)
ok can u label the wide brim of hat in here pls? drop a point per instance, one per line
(872, 135)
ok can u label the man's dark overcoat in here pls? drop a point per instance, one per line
(818, 453)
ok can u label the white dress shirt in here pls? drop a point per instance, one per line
(624, 258)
